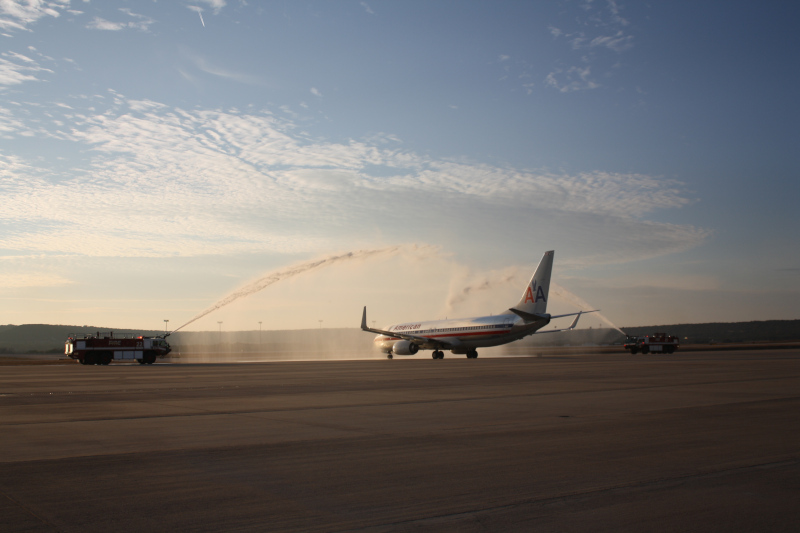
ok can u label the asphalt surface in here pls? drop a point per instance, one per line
(688, 442)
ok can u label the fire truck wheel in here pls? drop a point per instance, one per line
(644, 351)
(106, 359)
(634, 351)
(140, 361)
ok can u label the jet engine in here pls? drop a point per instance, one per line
(405, 348)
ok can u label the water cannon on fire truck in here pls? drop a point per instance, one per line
(102, 349)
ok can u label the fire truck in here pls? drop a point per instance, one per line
(655, 343)
(101, 350)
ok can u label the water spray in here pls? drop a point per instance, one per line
(558, 290)
(279, 275)
(485, 283)
(510, 276)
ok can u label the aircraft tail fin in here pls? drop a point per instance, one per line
(534, 299)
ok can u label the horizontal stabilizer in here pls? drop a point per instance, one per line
(529, 317)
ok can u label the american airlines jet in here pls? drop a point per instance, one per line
(466, 335)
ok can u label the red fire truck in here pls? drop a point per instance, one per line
(101, 350)
(655, 343)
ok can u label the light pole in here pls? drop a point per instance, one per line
(220, 331)
(259, 332)
(320, 324)
(166, 327)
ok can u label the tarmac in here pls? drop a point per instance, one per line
(695, 441)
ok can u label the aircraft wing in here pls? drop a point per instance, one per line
(533, 317)
(413, 338)
(579, 313)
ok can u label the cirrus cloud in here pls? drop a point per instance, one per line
(169, 181)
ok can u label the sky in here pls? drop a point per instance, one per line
(157, 156)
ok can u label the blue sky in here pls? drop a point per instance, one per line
(155, 156)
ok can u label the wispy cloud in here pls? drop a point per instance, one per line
(204, 65)
(215, 5)
(571, 79)
(140, 22)
(18, 15)
(99, 23)
(600, 27)
(25, 280)
(16, 68)
(167, 181)
(618, 42)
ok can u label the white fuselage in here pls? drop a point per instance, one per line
(463, 333)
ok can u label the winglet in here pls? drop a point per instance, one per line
(575, 322)
(364, 320)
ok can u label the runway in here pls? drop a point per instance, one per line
(689, 442)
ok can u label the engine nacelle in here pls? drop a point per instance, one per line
(405, 348)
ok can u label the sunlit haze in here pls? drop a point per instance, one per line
(158, 157)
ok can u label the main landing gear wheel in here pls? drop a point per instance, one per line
(437, 354)
(388, 356)
(472, 354)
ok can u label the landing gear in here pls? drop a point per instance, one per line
(389, 355)
(437, 354)
(472, 354)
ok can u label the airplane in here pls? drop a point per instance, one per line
(466, 335)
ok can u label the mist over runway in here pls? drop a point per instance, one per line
(692, 442)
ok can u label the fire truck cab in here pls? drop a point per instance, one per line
(101, 350)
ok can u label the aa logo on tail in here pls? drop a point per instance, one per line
(529, 297)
